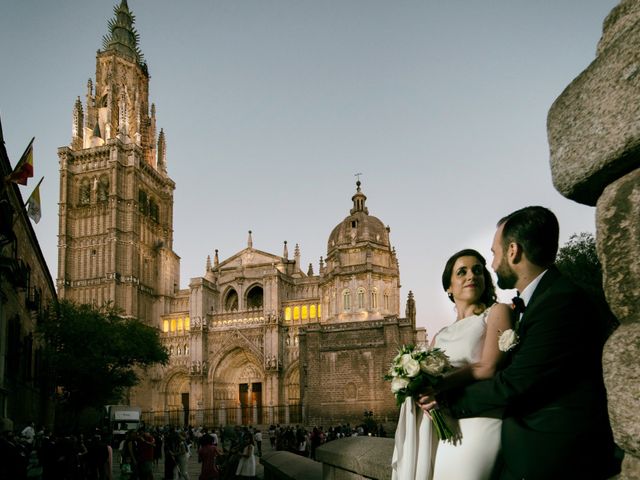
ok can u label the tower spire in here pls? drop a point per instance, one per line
(250, 240)
(122, 36)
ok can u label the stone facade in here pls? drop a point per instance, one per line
(594, 138)
(26, 290)
(254, 340)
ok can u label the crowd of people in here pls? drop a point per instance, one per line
(226, 452)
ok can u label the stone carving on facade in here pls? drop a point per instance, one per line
(272, 363)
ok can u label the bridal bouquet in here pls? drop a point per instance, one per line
(415, 368)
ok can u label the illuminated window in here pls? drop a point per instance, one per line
(374, 298)
(312, 311)
(319, 311)
(180, 324)
(296, 313)
(361, 298)
(305, 315)
(165, 326)
(346, 300)
(287, 314)
(173, 325)
(187, 323)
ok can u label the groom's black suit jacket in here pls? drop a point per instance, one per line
(556, 423)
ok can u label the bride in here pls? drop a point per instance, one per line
(471, 343)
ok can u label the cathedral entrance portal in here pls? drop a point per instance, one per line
(177, 400)
(237, 388)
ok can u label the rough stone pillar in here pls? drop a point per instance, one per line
(594, 138)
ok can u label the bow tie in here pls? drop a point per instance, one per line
(518, 305)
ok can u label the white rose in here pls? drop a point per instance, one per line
(410, 365)
(398, 383)
(507, 340)
(434, 364)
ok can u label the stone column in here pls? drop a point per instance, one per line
(594, 137)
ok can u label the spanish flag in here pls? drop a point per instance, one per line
(33, 203)
(24, 167)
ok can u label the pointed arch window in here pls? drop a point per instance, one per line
(386, 301)
(346, 300)
(143, 204)
(103, 189)
(154, 211)
(374, 298)
(255, 297)
(231, 300)
(312, 311)
(361, 293)
(84, 194)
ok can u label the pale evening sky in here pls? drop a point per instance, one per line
(270, 108)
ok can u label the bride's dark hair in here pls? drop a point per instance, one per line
(488, 297)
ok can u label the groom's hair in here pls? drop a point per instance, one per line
(536, 230)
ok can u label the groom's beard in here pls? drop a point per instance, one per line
(507, 278)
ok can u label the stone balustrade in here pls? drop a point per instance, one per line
(351, 458)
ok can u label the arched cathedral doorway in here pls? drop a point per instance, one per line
(177, 400)
(238, 389)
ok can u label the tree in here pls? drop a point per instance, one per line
(92, 353)
(578, 260)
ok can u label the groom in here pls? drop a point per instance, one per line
(555, 408)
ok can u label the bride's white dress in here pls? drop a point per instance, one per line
(418, 454)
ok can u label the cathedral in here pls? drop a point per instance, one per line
(256, 339)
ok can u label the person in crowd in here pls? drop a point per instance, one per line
(182, 457)
(258, 439)
(209, 455)
(171, 448)
(145, 455)
(247, 464)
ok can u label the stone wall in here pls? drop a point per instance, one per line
(594, 138)
(342, 370)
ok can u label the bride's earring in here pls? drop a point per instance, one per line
(450, 295)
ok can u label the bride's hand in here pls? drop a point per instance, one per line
(426, 400)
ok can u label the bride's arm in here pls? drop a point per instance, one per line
(500, 318)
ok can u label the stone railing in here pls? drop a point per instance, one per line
(254, 316)
(289, 466)
(351, 458)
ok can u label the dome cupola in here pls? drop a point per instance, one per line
(359, 227)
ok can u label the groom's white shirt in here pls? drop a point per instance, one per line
(527, 293)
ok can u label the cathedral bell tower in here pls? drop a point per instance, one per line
(115, 237)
